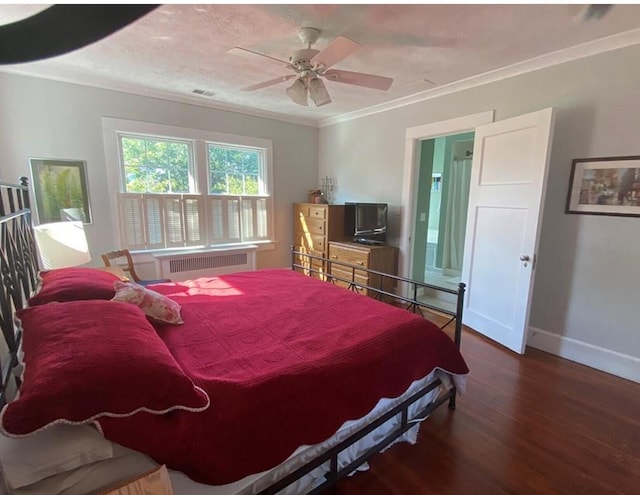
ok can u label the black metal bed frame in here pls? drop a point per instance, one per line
(19, 272)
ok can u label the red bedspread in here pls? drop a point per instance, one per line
(286, 360)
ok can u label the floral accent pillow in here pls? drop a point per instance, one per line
(152, 303)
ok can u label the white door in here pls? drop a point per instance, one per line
(508, 179)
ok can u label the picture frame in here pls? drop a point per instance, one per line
(60, 190)
(605, 186)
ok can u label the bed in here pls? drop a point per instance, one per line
(248, 364)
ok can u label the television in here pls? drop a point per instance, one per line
(366, 222)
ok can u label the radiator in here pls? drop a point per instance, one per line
(189, 265)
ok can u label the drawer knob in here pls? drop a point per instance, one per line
(334, 256)
(360, 262)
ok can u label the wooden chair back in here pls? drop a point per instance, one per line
(107, 258)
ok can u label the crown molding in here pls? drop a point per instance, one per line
(595, 47)
(162, 95)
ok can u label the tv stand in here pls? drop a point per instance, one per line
(379, 257)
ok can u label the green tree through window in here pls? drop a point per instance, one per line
(155, 165)
(234, 171)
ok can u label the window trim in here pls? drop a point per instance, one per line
(112, 128)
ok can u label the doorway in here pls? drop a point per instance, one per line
(506, 199)
(444, 174)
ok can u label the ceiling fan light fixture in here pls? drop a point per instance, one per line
(298, 92)
(318, 92)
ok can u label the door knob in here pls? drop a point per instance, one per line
(525, 257)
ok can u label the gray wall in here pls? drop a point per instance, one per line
(588, 266)
(47, 119)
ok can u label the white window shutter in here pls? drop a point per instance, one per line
(233, 217)
(224, 213)
(255, 225)
(132, 222)
(193, 207)
(154, 221)
(174, 220)
(262, 218)
(248, 220)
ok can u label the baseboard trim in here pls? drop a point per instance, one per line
(606, 360)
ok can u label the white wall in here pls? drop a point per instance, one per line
(47, 119)
(588, 273)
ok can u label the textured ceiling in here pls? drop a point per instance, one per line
(178, 48)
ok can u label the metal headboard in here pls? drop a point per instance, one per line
(18, 272)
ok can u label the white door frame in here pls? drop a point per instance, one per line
(413, 136)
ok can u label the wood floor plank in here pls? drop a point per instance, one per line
(527, 425)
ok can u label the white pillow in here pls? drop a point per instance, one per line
(54, 450)
(92, 478)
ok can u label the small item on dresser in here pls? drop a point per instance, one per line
(316, 196)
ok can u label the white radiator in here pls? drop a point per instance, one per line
(183, 265)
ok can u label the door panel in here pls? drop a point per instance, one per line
(502, 151)
(505, 207)
(492, 244)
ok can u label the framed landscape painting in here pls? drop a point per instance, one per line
(605, 186)
(60, 190)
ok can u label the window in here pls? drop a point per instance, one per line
(235, 170)
(154, 165)
(181, 187)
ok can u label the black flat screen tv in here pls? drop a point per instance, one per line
(366, 222)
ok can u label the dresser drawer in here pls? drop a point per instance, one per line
(358, 277)
(310, 241)
(313, 226)
(311, 211)
(348, 255)
(308, 262)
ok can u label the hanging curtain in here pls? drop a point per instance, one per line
(456, 213)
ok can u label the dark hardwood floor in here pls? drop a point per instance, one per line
(532, 424)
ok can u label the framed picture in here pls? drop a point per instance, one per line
(60, 190)
(605, 186)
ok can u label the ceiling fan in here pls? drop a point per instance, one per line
(309, 66)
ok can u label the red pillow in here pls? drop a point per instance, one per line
(87, 359)
(73, 284)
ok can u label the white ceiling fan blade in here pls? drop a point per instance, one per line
(250, 54)
(359, 79)
(338, 49)
(270, 82)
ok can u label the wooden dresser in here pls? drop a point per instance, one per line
(314, 225)
(373, 257)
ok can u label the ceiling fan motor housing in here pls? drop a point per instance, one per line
(301, 59)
